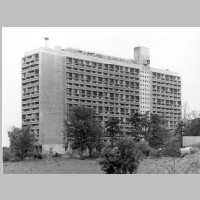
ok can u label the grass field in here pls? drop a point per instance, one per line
(188, 164)
(53, 166)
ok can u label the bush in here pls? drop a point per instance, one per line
(18, 155)
(155, 153)
(5, 159)
(56, 155)
(7, 155)
(155, 142)
(124, 158)
(194, 150)
(37, 156)
(15, 159)
(144, 148)
(172, 148)
(106, 149)
(70, 153)
(96, 154)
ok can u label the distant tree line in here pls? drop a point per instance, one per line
(192, 127)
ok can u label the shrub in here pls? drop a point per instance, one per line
(18, 154)
(124, 158)
(29, 154)
(155, 153)
(37, 156)
(5, 159)
(106, 149)
(7, 155)
(70, 153)
(144, 148)
(155, 142)
(172, 148)
(15, 159)
(34, 155)
(56, 155)
(96, 154)
(194, 150)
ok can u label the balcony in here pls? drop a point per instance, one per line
(24, 96)
(30, 85)
(30, 111)
(30, 69)
(30, 79)
(36, 62)
(30, 106)
(29, 74)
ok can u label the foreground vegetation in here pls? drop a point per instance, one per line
(148, 139)
(51, 165)
(190, 164)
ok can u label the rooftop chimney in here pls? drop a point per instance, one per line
(46, 42)
(142, 55)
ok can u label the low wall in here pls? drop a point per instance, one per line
(190, 140)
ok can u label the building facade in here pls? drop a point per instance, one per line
(55, 79)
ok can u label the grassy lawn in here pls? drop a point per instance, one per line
(53, 166)
(188, 164)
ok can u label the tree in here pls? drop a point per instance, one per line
(21, 140)
(145, 123)
(124, 158)
(191, 121)
(83, 129)
(151, 126)
(155, 142)
(94, 135)
(172, 147)
(156, 121)
(135, 120)
(112, 129)
(192, 128)
(189, 114)
(145, 119)
(157, 127)
(179, 132)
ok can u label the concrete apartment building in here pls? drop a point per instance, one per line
(55, 79)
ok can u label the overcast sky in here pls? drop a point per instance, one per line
(176, 49)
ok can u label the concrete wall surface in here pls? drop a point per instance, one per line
(55, 148)
(52, 98)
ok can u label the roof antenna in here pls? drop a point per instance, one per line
(46, 42)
